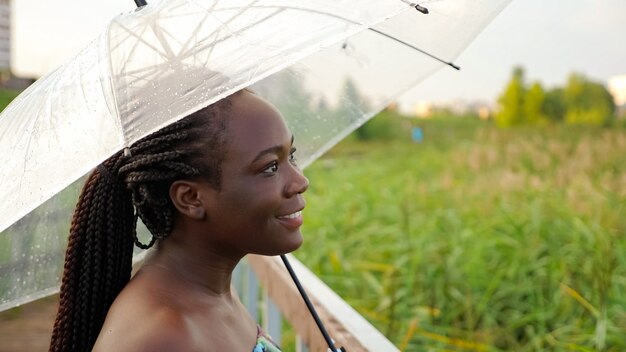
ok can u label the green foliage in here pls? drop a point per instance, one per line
(6, 96)
(512, 101)
(580, 102)
(554, 105)
(533, 105)
(352, 103)
(387, 125)
(588, 103)
(352, 98)
(478, 238)
(286, 92)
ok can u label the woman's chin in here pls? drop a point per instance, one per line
(292, 243)
(297, 242)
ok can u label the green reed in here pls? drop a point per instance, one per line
(478, 238)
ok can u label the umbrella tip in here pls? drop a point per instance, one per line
(421, 9)
(140, 3)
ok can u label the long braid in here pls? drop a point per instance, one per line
(98, 259)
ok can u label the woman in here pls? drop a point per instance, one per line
(211, 188)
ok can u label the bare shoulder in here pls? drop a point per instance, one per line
(165, 329)
(145, 316)
(151, 316)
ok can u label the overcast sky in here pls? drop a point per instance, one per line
(549, 38)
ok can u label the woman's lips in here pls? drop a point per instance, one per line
(291, 221)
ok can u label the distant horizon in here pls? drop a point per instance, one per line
(616, 85)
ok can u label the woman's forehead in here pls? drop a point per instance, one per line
(255, 125)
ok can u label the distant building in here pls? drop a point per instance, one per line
(7, 80)
(5, 36)
(424, 109)
(456, 107)
(393, 106)
(484, 113)
(617, 87)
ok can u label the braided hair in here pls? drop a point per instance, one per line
(131, 184)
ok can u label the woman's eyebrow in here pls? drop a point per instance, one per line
(271, 150)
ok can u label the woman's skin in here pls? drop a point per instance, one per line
(181, 299)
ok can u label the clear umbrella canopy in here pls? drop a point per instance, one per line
(327, 65)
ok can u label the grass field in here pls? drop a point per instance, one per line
(478, 238)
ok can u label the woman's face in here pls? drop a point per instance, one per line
(258, 208)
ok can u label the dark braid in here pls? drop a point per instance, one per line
(98, 259)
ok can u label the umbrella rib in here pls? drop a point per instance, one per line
(207, 14)
(186, 52)
(159, 33)
(184, 46)
(182, 56)
(224, 25)
(215, 35)
(372, 29)
(132, 34)
(415, 48)
(134, 46)
(169, 53)
(232, 34)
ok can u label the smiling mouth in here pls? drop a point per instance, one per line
(291, 221)
(291, 216)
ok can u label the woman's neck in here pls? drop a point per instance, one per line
(207, 269)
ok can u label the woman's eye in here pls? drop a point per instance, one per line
(292, 156)
(272, 168)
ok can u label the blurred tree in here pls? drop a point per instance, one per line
(323, 108)
(582, 101)
(352, 103)
(587, 102)
(533, 104)
(512, 101)
(554, 105)
(386, 125)
(286, 91)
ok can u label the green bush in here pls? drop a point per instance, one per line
(387, 125)
(6, 96)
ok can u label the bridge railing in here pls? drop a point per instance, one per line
(271, 296)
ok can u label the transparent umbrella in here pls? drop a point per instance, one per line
(327, 65)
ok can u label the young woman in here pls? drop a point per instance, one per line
(211, 188)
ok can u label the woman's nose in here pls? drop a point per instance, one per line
(298, 184)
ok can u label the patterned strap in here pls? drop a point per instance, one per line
(264, 342)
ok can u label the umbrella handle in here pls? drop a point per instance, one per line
(309, 305)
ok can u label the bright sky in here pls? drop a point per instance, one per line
(549, 38)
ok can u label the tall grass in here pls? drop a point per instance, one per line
(479, 238)
(6, 96)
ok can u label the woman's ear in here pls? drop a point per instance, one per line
(185, 196)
